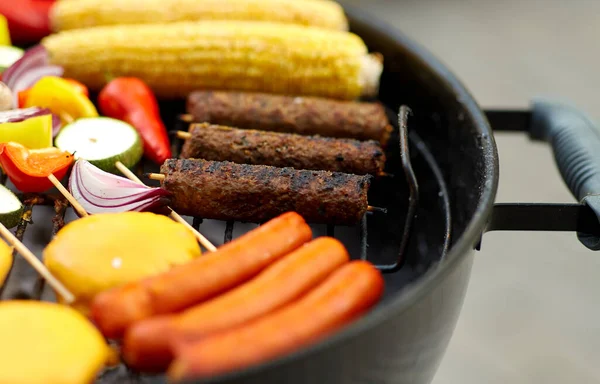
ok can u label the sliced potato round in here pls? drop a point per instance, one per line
(6, 259)
(48, 343)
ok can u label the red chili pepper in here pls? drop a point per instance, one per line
(28, 20)
(28, 169)
(131, 100)
(76, 84)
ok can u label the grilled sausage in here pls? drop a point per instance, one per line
(341, 298)
(185, 285)
(301, 115)
(242, 146)
(146, 346)
(256, 193)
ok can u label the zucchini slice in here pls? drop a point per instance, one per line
(102, 141)
(11, 208)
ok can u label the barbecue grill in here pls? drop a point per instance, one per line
(438, 198)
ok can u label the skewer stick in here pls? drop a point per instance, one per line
(127, 172)
(161, 177)
(174, 215)
(186, 118)
(156, 176)
(37, 265)
(74, 203)
(67, 195)
(203, 240)
(184, 135)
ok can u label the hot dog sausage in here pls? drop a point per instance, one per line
(188, 284)
(341, 298)
(146, 345)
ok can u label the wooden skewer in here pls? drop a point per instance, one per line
(67, 195)
(11, 239)
(174, 215)
(203, 240)
(156, 176)
(127, 172)
(74, 203)
(186, 118)
(161, 177)
(184, 135)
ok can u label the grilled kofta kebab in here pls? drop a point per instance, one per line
(301, 115)
(257, 193)
(246, 146)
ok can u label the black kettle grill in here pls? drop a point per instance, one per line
(439, 202)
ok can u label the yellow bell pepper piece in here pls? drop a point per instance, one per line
(33, 133)
(58, 95)
(6, 259)
(4, 33)
(106, 250)
(48, 343)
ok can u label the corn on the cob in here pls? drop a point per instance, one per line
(177, 58)
(72, 14)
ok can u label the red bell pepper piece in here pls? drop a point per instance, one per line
(28, 169)
(131, 100)
(28, 20)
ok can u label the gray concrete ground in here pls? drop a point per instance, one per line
(532, 312)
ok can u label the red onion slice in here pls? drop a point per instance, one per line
(32, 58)
(26, 71)
(102, 192)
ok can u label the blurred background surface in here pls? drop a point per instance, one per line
(532, 312)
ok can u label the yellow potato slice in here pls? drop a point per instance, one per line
(48, 343)
(102, 251)
(6, 259)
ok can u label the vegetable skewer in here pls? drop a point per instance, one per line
(174, 215)
(123, 169)
(58, 287)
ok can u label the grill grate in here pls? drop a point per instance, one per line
(60, 209)
(330, 229)
(375, 223)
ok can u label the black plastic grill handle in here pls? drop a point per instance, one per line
(575, 141)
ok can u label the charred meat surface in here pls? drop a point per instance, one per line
(220, 143)
(301, 115)
(257, 193)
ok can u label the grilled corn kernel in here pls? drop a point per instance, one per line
(177, 58)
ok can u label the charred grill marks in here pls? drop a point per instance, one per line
(219, 143)
(257, 193)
